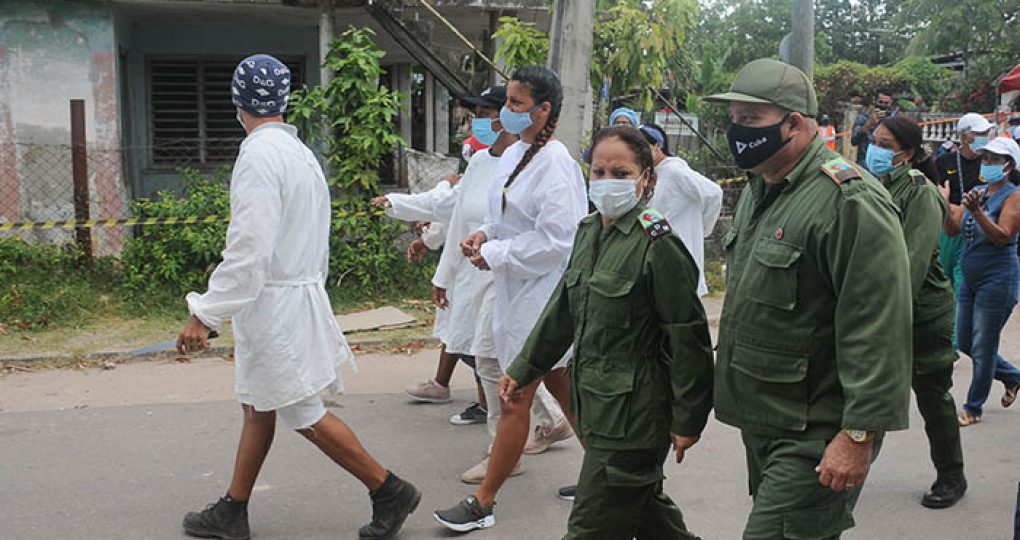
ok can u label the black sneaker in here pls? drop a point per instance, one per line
(944, 494)
(225, 519)
(474, 414)
(468, 515)
(567, 492)
(391, 504)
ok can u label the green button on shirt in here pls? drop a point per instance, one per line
(642, 364)
(815, 334)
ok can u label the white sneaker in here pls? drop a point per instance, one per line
(476, 474)
(430, 392)
(544, 437)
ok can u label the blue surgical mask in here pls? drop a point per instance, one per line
(879, 160)
(980, 142)
(613, 197)
(993, 174)
(515, 122)
(482, 129)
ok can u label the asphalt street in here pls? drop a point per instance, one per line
(130, 471)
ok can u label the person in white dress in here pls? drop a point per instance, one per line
(534, 207)
(288, 344)
(464, 294)
(690, 201)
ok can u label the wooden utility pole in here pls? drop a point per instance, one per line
(802, 39)
(80, 177)
(570, 47)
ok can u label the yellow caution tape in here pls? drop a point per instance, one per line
(129, 222)
(734, 180)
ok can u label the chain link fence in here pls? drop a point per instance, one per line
(38, 185)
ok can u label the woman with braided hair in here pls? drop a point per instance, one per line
(538, 198)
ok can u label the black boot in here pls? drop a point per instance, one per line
(226, 519)
(391, 504)
(944, 493)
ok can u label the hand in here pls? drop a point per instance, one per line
(439, 297)
(452, 179)
(682, 444)
(416, 251)
(479, 262)
(381, 200)
(845, 463)
(944, 190)
(194, 337)
(472, 245)
(972, 200)
(509, 390)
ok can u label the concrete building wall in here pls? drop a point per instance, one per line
(52, 52)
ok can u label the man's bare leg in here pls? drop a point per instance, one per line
(511, 436)
(336, 439)
(481, 396)
(256, 439)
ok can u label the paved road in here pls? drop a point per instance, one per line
(130, 464)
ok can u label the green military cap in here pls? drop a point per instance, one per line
(770, 81)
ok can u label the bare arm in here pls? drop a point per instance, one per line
(1009, 221)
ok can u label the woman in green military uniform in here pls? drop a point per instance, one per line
(897, 158)
(641, 375)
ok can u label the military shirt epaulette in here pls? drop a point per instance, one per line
(840, 171)
(918, 177)
(654, 224)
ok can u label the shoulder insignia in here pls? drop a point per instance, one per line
(840, 171)
(654, 224)
(918, 177)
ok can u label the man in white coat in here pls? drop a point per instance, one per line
(289, 346)
(690, 201)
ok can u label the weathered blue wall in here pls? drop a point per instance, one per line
(52, 51)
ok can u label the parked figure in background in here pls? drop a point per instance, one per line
(642, 365)
(689, 201)
(812, 363)
(288, 346)
(533, 212)
(867, 121)
(959, 173)
(988, 220)
(900, 162)
(435, 207)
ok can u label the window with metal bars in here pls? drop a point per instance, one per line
(191, 118)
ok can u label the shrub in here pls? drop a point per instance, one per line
(167, 260)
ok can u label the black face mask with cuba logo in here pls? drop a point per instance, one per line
(751, 146)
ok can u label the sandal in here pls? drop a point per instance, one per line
(965, 418)
(1009, 396)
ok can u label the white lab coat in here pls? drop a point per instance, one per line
(691, 203)
(436, 206)
(288, 344)
(528, 246)
(469, 290)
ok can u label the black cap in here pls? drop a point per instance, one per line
(493, 96)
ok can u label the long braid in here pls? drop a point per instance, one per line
(544, 86)
(541, 139)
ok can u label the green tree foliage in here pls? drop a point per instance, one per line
(353, 115)
(355, 120)
(521, 43)
(640, 45)
(911, 76)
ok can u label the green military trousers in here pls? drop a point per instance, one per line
(789, 502)
(619, 497)
(938, 409)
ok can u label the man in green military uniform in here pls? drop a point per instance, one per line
(641, 371)
(894, 157)
(813, 360)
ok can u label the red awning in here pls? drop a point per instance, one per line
(1011, 81)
